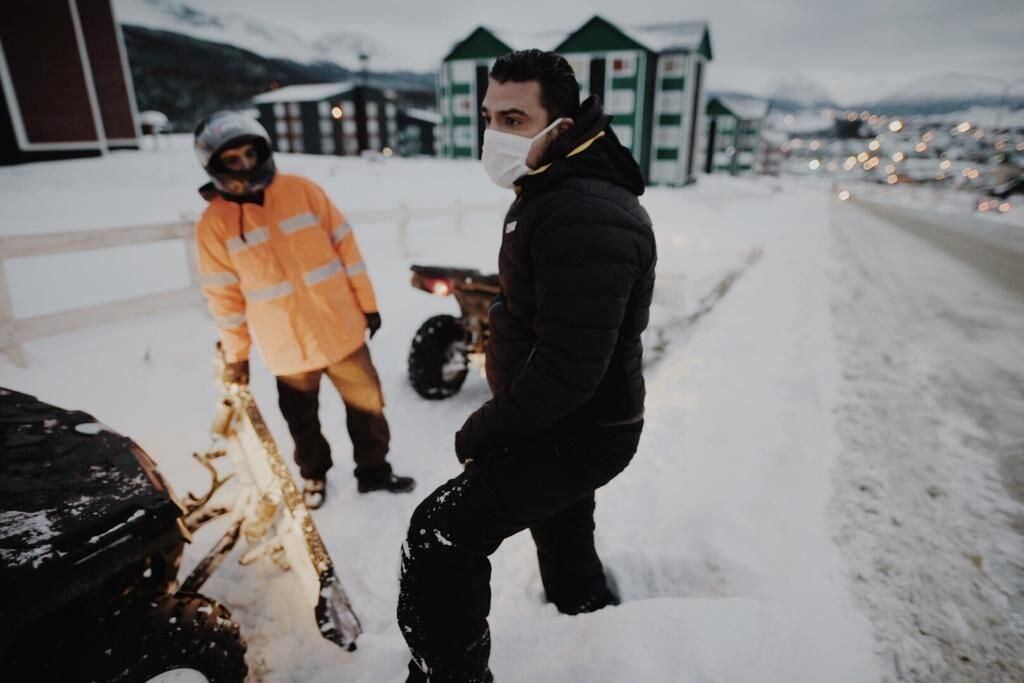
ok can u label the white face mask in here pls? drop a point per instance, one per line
(504, 154)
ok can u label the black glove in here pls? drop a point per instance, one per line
(373, 322)
(237, 372)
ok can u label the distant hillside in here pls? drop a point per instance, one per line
(186, 78)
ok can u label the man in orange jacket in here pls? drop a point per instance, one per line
(278, 261)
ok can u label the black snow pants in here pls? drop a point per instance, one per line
(545, 485)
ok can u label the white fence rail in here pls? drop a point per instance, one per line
(14, 332)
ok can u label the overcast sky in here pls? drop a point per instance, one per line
(856, 50)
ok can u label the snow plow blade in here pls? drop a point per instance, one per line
(279, 507)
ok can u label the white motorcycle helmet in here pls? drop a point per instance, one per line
(227, 129)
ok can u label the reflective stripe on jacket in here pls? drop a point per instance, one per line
(289, 272)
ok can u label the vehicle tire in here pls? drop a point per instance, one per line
(188, 631)
(438, 361)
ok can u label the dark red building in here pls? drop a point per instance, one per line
(67, 90)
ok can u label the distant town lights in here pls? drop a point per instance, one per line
(862, 157)
(844, 195)
(891, 168)
(892, 179)
(814, 164)
(815, 145)
(963, 127)
(928, 137)
(833, 165)
(1020, 146)
(920, 147)
(337, 112)
(874, 145)
(946, 163)
(899, 156)
(896, 126)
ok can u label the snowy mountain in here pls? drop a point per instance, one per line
(798, 91)
(263, 38)
(185, 77)
(940, 92)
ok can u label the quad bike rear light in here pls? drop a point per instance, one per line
(438, 286)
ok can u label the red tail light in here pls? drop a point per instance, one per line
(437, 286)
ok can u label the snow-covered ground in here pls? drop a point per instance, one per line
(732, 536)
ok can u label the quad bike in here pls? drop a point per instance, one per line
(92, 537)
(444, 346)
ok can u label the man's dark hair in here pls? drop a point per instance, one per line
(559, 91)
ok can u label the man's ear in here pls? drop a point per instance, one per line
(564, 125)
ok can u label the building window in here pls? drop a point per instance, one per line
(462, 72)
(621, 102)
(324, 108)
(667, 136)
(670, 102)
(279, 110)
(327, 145)
(289, 128)
(623, 64)
(372, 110)
(463, 136)
(462, 105)
(672, 66)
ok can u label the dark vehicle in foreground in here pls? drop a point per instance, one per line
(445, 346)
(92, 537)
(91, 542)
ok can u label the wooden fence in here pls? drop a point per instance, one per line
(14, 332)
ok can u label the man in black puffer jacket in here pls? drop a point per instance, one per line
(564, 363)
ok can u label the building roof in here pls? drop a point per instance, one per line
(480, 44)
(689, 36)
(524, 40)
(743, 108)
(311, 92)
(599, 34)
(424, 115)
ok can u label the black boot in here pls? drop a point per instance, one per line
(389, 481)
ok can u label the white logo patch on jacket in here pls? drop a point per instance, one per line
(510, 227)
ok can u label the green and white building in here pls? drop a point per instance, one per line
(734, 134)
(649, 78)
(461, 86)
(651, 81)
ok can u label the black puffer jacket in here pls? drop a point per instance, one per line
(577, 272)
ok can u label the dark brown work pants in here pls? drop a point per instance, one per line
(357, 382)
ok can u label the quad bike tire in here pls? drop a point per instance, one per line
(185, 631)
(435, 356)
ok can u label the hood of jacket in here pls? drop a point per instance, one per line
(588, 149)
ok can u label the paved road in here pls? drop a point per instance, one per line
(929, 325)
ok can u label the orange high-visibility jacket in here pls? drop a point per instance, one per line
(296, 281)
